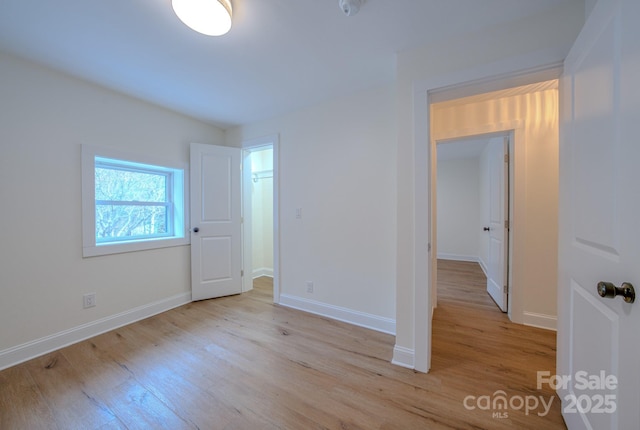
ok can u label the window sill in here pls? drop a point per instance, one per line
(139, 245)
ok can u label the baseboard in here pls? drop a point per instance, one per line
(373, 322)
(263, 271)
(18, 354)
(403, 357)
(532, 319)
(483, 266)
(457, 257)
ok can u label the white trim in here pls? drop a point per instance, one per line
(533, 67)
(18, 354)
(533, 319)
(247, 221)
(262, 271)
(403, 357)
(458, 257)
(180, 177)
(362, 319)
(423, 159)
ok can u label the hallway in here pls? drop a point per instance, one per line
(474, 341)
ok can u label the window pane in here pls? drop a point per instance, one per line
(131, 186)
(121, 222)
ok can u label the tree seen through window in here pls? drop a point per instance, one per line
(131, 203)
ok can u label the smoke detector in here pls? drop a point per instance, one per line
(350, 7)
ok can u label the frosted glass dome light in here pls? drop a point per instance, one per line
(209, 17)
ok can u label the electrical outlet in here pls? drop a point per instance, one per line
(89, 300)
(309, 286)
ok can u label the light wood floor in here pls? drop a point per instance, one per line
(242, 363)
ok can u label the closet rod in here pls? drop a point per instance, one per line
(264, 174)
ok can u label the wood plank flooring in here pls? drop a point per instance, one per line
(242, 363)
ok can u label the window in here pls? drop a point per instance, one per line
(130, 202)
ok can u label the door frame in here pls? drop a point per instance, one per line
(461, 137)
(248, 146)
(512, 72)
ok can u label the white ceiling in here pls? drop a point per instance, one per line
(280, 55)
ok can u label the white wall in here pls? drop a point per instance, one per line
(458, 209)
(522, 44)
(589, 5)
(337, 163)
(44, 118)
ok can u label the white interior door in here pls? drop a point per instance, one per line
(599, 338)
(216, 246)
(498, 217)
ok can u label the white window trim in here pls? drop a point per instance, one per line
(89, 246)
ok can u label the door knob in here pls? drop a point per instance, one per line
(196, 229)
(610, 291)
(486, 228)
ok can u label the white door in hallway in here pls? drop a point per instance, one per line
(599, 338)
(216, 246)
(497, 266)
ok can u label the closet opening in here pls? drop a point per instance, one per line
(260, 244)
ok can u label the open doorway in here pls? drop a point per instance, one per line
(529, 114)
(471, 212)
(260, 214)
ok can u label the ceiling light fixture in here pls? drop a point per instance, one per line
(210, 17)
